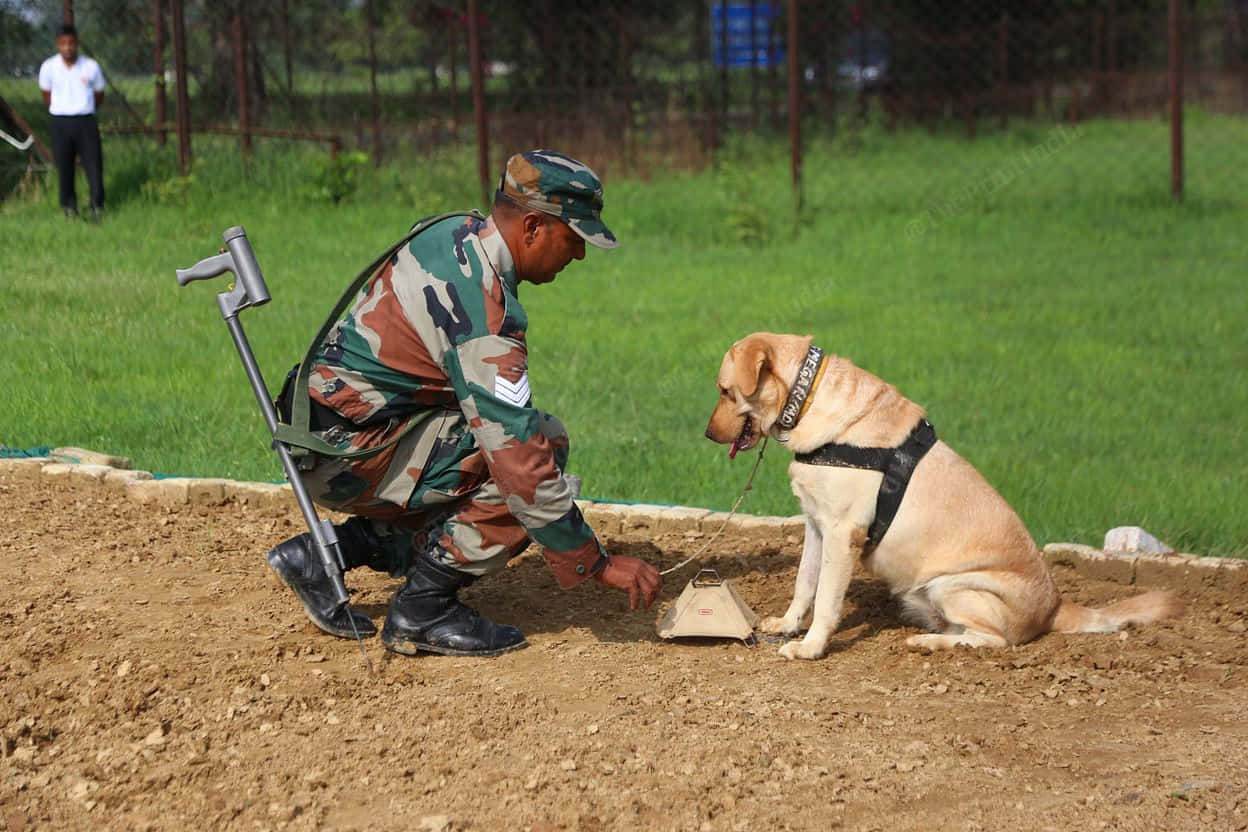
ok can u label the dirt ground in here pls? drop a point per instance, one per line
(154, 676)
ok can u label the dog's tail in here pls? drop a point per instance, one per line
(1142, 609)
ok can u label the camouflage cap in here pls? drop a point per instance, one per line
(546, 181)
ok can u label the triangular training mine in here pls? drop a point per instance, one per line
(708, 608)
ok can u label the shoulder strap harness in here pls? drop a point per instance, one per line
(300, 440)
(898, 465)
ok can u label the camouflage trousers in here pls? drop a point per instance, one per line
(455, 512)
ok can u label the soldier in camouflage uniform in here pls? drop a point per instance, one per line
(432, 354)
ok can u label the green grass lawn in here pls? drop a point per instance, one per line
(1071, 331)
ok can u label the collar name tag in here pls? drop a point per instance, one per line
(807, 375)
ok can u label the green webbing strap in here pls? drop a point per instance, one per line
(297, 434)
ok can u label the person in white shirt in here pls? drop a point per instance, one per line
(73, 86)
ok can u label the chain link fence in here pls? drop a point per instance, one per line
(646, 86)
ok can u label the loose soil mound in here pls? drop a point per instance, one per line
(153, 675)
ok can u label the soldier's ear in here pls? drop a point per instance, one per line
(531, 222)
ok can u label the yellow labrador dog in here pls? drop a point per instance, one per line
(956, 554)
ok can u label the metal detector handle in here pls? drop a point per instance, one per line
(241, 261)
(245, 266)
(206, 269)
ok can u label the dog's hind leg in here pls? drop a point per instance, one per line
(840, 549)
(804, 591)
(974, 616)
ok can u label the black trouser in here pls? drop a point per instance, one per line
(78, 135)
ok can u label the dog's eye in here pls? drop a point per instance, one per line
(723, 391)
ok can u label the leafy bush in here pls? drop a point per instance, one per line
(336, 178)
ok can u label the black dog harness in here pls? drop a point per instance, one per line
(897, 464)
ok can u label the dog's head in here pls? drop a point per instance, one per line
(752, 389)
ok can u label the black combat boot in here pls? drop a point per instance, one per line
(298, 565)
(427, 615)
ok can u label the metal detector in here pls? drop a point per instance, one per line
(250, 290)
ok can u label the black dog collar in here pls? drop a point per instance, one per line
(799, 396)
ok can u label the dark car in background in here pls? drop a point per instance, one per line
(861, 63)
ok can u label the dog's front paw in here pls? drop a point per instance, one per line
(778, 625)
(801, 650)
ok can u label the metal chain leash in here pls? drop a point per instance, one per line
(749, 483)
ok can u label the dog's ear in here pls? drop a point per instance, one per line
(752, 360)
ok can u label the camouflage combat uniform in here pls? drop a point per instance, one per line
(434, 343)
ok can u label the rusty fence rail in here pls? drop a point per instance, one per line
(333, 141)
(648, 85)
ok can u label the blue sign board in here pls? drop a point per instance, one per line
(744, 34)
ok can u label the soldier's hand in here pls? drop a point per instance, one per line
(639, 579)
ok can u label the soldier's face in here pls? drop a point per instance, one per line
(554, 246)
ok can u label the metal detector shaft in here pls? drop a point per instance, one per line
(323, 535)
(252, 291)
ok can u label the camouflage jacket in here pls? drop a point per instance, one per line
(437, 338)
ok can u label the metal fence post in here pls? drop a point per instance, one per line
(181, 98)
(773, 78)
(1003, 68)
(753, 65)
(287, 54)
(724, 91)
(703, 35)
(1176, 99)
(374, 100)
(453, 92)
(478, 100)
(240, 79)
(795, 108)
(158, 61)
